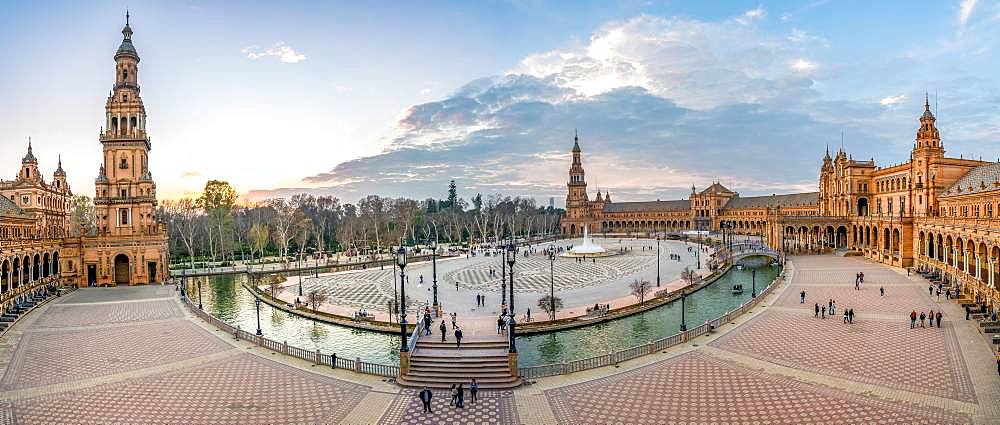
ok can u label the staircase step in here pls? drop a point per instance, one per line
(417, 383)
(454, 376)
(458, 368)
(458, 359)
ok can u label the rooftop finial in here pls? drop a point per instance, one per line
(927, 102)
(576, 135)
(127, 31)
(126, 17)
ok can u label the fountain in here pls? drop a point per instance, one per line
(588, 248)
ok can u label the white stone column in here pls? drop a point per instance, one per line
(978, 268)
(965, 261)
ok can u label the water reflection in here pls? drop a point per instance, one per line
(225, 298)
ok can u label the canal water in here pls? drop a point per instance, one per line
(225, 298)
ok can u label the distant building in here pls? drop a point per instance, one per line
(128, 245)
(552, 202)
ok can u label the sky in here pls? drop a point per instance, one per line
(397, 98)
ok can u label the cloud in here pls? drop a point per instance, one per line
(280, 50)
(892, 100)
(425, 91)
(190, 174)
(757, 13)
(965, 11)
(803, 65)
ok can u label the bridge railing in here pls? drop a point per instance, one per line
(651, 347)
(315, 357)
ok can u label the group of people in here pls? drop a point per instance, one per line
(859, 278)
(831, 308)
(931, 315)
(457, 393)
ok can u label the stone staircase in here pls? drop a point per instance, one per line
(437, 364)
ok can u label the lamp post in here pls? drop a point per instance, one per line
(657, 261)
(256, 301)
(434, 276)
(683, 297)
(552, 291)
(511, 256)
(753, 281)
(199, 295)
(503, 277)
(401, 262)
(300, 274)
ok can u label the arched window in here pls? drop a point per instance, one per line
(123, 164)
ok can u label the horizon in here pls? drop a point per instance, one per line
(678, 95)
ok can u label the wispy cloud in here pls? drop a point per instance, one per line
(280, 50)
(892, 100)
(190, 174)
(965, 11)
(803, 65)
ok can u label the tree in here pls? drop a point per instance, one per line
(452, 195)
(639, 289)
(316, 298)
(550, 304)
(275, 286)
(284, 221)
(183, 215)
(690, 277)
(83, 218)
(218, 200)
(259, 235)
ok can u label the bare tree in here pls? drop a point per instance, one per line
(550, 304)
(184, 214)
(690, 277)
(316, 299)
(639, 289)
(284, 221)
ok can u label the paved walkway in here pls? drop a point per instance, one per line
(135, 355)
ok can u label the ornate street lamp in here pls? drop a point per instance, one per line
(300, 274)
(657, 261)
(683, 297)
(753, 281)
(256, 301)
(511, 255)
(434, 276)
(503, 278)
(552, 292)
(199, 295)
(401, 262)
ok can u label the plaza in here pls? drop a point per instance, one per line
(100, 355)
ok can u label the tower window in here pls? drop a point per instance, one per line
(123, 217)
(124, 193)
(124, 164)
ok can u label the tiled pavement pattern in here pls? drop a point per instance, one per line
(885, 353)
(898, 300)
(696, 388)
(87, 314)
(491, 407)
(532, 273)
(242, 390)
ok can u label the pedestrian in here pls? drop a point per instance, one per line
(938, 318)
(922, 317)
(881, 291)
(454, 395)
(456, 285)
(473, 391)
(461, 397)
(930, 290)
(939, 294)
(862, 277)
(444, 330)
(500, 324)
(822, 312)
(817, 311)
(845, 317)
(930, 318)
(425, 398)
(454, 319)
(802, 297)
(850, 316)
(458, 338)
(968, 311)
(529, 314)
(947, 294)
(427, 324)
(913, 319)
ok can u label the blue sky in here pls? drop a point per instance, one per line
(350, 98)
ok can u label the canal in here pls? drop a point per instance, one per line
(225, 298)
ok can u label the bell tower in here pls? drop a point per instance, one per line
(576, 198)
(125, 196)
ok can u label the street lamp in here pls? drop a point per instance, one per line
(753, 281)
(511, 256)
(552, 292)
(401, 262)
(657, 261)
(683, 297)
(503, 278)
(256, 300)
(434, 276)
(300, 274)
(199, 295)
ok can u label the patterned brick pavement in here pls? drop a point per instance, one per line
(897, 300)
(70, 315)
(920, 360)
(491, 407)
(242, 390)
(696, 388)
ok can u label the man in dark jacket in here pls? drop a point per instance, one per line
(425, 398)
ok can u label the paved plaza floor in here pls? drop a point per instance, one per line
(135, 355)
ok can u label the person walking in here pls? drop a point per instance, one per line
(930, 318)
(922, 317)
(968, 312)
(473, 391)
(425, 398)
(817, 311)
(500, 324)
(913, 319)
(881, 291)
(845, 317)
(458, 338)
(461, 397)
(939, 294)
(529, 314)
(454, 320)
(427, 324)
(454, 395)
(938, 318)
(930, 290)
(822, 312)
(444, 330)
(802, 297)
(850, 316)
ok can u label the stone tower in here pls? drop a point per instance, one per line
(577, 205)
(927, 152)
(126, 194)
